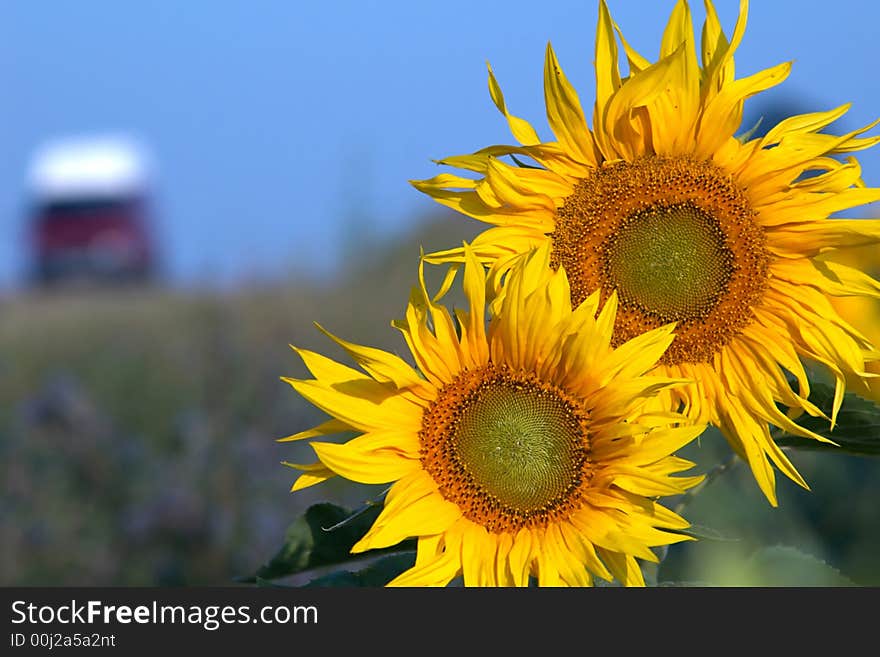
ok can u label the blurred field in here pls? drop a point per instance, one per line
(138, 426)
(137, 433)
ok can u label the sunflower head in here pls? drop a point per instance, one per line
(659, 204)
(522, 445)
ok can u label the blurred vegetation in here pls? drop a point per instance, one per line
(828, 535)
(138, 427)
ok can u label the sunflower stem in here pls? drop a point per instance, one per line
(711, 476)
(369, 504)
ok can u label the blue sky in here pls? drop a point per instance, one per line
(274, 125)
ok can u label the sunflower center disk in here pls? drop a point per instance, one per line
(520, 445)
(508, 449)
(677, 239)
(670, 261)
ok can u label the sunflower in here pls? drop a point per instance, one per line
(523, 448)
(661, 204)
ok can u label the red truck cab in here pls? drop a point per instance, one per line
(89, 212)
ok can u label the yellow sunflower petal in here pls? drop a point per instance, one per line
(438, 571)
(723, 114)
(639, 91)
(624, 567)
(681, 98)
(478, 548)
(521, 129)
(717, 51)
(411, 509)
(381, 365)
(313, 473)
(371, 467)
(565, 114)
(607, 73)
(359, 404)
(323, 429)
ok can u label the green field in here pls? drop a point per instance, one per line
(138, 427)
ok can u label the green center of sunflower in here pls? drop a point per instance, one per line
(669, 260)
(519, 443)
(507, 448)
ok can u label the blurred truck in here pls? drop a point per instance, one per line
(89, 212)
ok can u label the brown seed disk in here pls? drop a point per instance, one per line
(631, 210)
(507, 448)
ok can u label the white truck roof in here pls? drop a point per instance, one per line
(85, 166)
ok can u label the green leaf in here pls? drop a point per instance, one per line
(778, 565)
(782, 565)
(323, 536)
(378, 573)
(858, 425)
